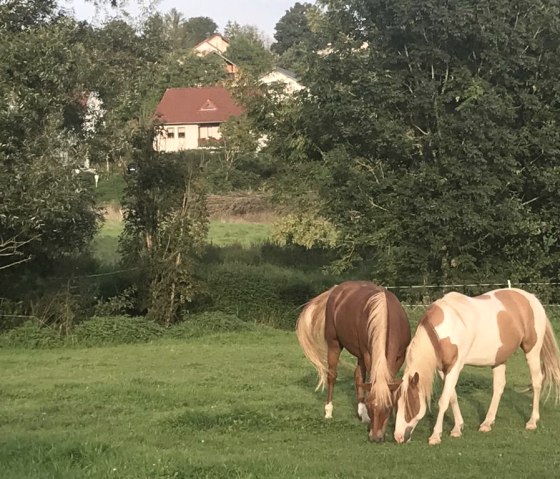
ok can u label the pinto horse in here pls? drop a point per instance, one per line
(371, 324)
(481, 331)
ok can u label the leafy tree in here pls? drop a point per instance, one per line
(175, 32)
(45, 209)
(293, 28)
(430, 133)
(247, 49)
(198, 29)
(166, 225)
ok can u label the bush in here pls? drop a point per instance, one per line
(31, 335)
(264, 294)
(197, 325)
(115, 330)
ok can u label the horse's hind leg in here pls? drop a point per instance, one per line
(499, 382)
(333, 356)
(359, 379)
(534, 362)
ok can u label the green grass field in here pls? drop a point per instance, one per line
(220, 234)
(238, 405)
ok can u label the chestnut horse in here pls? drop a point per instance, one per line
(481, 331)
(369, 322)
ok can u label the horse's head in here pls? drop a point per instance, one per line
(411, 407)
(379, 409)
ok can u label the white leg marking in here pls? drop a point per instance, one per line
(362, 412)
(328, 410)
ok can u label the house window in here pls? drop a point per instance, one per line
(210, 130)
(181, 132)
(170, 132)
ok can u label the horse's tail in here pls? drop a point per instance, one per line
(550, 359)
(377, 325)
(310, 331)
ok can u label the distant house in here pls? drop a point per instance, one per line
(191, 117)
(214, 43)
(217, 45)
(282, 77)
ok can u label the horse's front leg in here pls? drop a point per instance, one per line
(457, 416)
(443, 403)
(333, 355)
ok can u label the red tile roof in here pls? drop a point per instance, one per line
(196, 105)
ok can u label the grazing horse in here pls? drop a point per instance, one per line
(371, 324)
(481, 331)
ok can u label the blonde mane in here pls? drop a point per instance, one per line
(420, 358)
(380, 376)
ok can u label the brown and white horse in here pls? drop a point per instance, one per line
(369, 322)
(486, 330)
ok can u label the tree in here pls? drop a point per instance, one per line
(432, 128)
(247, 49)
(293, 28)
(176, 34)
(166, 225)
(198, 29)
(46, 210)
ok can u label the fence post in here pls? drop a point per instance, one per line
(509, 284)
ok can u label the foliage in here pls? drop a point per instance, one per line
(166, 225)
(179, 33)
(31, 335)
(247, 49)
(45, 209)
(305, 230)
(293, 28)
(263, 293)
(237, 164)
(199, 325)
(115, 330)
(430, 133)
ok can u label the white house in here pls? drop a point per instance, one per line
(282, 77)
(191, 117)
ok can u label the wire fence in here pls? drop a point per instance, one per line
(421, 295)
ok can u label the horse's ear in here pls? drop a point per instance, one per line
(414, 379)
(366, 387)
(395, 385)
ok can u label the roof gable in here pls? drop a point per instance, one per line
(196, 106)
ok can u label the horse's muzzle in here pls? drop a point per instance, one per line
(376, 439)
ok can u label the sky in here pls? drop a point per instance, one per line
(264, 14)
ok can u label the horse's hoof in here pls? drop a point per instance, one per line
(531, 426)
(457, 431)
(434, 440)
(485, 428)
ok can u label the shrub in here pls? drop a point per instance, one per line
(31, 335)
(197, 325)
(265, 294)
(115, 330)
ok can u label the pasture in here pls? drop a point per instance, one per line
(238, 405)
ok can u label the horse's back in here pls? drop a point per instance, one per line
(490, 327)
(347, 315)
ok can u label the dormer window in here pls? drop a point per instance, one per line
(208, 106)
